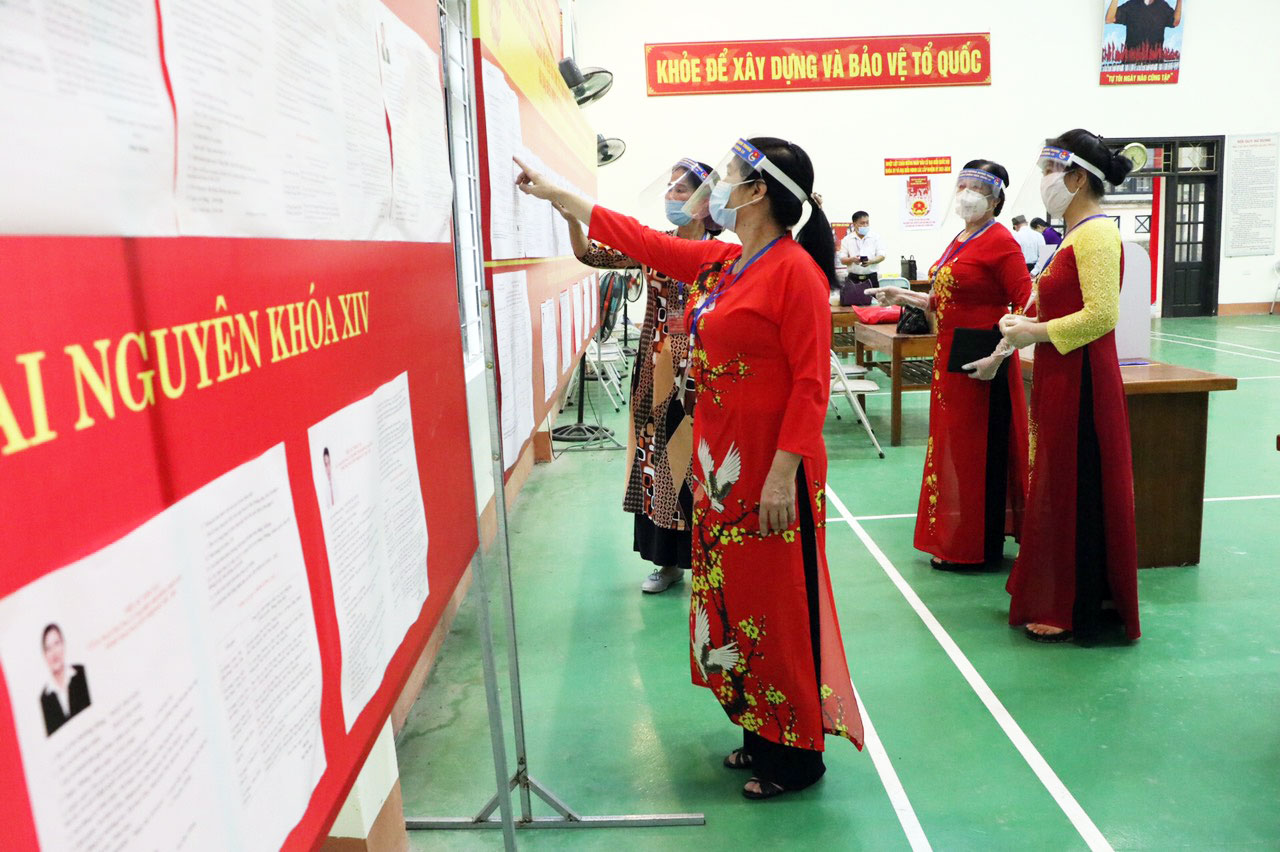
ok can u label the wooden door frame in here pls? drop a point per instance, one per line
(1213, 230)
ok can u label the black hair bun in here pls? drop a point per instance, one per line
(1119, 169)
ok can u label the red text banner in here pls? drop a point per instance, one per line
(917, 166)
(880, 62)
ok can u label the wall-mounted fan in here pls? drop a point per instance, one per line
(587, 85)
(608, 150)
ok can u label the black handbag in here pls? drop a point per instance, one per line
(913, 321)
(909, 268)
(854, 292)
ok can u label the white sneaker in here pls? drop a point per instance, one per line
(662, 579)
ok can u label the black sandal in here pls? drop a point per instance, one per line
(738, 759)
(1048, 638)
(768, 790)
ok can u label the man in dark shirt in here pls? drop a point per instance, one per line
(1145, 22)
(1051, 236)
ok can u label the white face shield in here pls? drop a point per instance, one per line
(673, 189)
(976, 196)
(743, 164)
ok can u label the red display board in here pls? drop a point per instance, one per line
(68, 496)
(257, 340)
(801, 65)
(523, 40)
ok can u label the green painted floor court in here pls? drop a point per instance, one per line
(982, 739)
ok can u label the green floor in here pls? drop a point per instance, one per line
(1170, 743)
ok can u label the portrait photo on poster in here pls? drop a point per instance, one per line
(1141, 41)
(166, 680)
(67, 692)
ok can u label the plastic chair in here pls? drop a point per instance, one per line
(895, 282)
(850, 387)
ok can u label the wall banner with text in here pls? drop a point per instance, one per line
(1141, 42)
(880, 62)
(917, 166)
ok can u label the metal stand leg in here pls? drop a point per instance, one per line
(838, 369)
(521, 781)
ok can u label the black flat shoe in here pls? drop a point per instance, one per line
(738, 759)
(958, 567)
(768, 790)
(1048, 638)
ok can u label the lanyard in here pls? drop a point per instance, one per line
(952, 253)
(680, 284)
(1056, 248)
(725, 285)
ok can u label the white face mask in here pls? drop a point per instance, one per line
(971, 205)
(1055, 195)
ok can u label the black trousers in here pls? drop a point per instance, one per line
(1092, 588)
(787, 766)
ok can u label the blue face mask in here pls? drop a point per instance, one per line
(676, 214)
(862, 232)
(725, 217)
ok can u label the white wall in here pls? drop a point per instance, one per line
(1045, 59)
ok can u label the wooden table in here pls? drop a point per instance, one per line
(842, 322)
(1168, 428)
(903, 374)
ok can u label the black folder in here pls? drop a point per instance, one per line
(971, 344)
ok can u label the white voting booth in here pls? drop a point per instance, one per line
(1133, 330)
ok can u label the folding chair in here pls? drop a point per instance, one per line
(1276, 294)
(850, 387)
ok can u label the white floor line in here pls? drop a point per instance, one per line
(884, 517)
(1219, 342)
(1089, 832)
(1164, 339)
(1254, 378)
(892, 784)
(1236, 499)
(1257, 328)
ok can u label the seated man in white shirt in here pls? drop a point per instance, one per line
(862, 253)
(1030, 239)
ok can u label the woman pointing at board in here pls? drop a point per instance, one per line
(765, 638)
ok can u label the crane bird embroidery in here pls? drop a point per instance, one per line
(710, 660)
(719, 481)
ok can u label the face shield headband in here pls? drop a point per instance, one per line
(1062, 159)
(986, 178)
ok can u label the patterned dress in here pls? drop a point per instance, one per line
(660, 438)
(1079, 545)
(765, 638)
(975, 470)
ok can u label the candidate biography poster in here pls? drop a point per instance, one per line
(920, 209)
(1141, 42)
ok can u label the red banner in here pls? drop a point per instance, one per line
(880, 62)
(918, 166)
